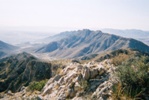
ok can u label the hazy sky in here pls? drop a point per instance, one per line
(74, 14)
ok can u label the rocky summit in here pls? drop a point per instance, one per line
(88, 81)
(80, 82)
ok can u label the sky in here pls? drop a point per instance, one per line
(74, 14)
(53, 16)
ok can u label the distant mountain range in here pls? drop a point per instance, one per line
(83, 42)
(73, 44)
(6, 48)
(130, 33)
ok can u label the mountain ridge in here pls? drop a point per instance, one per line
(129, 33)
(6, 48)
(84, 42)
(20, 70)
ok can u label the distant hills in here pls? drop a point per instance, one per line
(83, 42)
(6, 48)
(130, 33)
(73, 44)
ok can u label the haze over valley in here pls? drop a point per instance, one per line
(74, 50)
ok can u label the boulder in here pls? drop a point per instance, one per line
(86, 73)
(79, 78)
(70, 93)
(101, 71)
(77, 87)
(94, 73)
(57, 77)
(10, 93)
(79, 68)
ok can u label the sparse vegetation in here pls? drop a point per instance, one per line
(119, 59)
(84, 84)
(114, 55)
(22, 69)
(58, 65)
(133, 78)
(37, 85)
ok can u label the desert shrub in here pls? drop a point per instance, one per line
(120, 51)
(58, 66)
(119, 59)
(75, 61)
(37, 85)
(84, 84)
(133, 79)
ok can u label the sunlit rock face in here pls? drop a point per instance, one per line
(77, 81)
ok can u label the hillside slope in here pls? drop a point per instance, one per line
(19, 70)
(95, 79)
(140, 35)
(85, 42)
(6, 48)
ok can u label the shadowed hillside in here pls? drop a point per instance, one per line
(19, 70)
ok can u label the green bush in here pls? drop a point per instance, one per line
(133, 79)
(37, 85)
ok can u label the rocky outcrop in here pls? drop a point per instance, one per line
(89, 81)
(22, 95)
(77, 81)
(86, 73)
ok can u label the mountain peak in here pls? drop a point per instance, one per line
(84, 42)
(86, 30)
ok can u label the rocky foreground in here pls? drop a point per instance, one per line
(92, 81)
